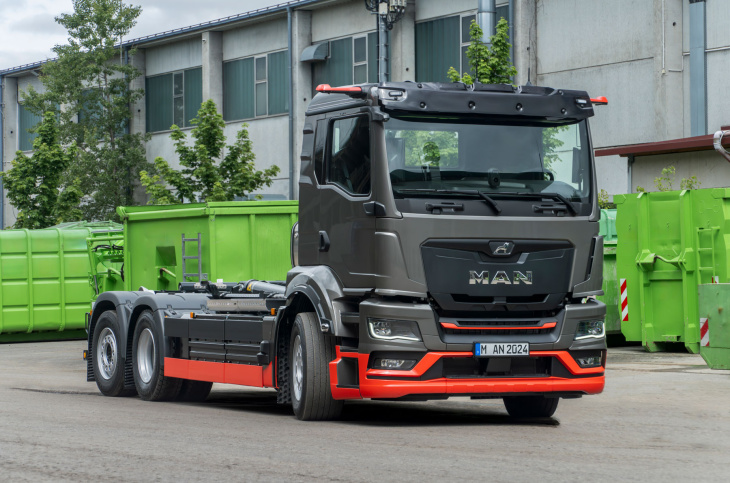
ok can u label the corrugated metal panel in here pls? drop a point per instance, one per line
(437, 49)
(26, 120)
(193, 93)
(158, 96)
(337, 70)
(278, 79)
(238, 82)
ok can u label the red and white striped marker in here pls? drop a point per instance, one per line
(704, 333)
(624, 301)
(716, 279)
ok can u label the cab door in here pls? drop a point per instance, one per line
(347, 230)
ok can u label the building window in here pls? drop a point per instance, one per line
(256, 86)
(442, 43)
(26, 120)
(352, 60)
(173, 98)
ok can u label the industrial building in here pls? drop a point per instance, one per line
(660, 63)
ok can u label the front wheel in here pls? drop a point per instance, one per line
(310, 353)
(531, 406)
(148, 352)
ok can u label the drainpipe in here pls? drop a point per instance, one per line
(511, 10)
(697, 68)
(2, 160)
(487, 18)
(630, 164)
(291, 102)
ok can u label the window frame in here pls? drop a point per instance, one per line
(356, 63)
(265, 81)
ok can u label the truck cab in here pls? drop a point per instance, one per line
(454, 218)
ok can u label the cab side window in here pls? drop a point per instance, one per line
(348, 163)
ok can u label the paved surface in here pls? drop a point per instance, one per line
(662, 417)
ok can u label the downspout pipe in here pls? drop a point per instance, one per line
(291, 101)
(697, 68)
(511, 13)
(487, 18)
(2, 159)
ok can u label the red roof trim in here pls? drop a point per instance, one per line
(682, 145)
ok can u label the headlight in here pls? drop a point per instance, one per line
(590, 329)
(388, 329)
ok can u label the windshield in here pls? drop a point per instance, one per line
(426, 156)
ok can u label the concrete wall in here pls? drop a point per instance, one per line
(709, 167)
(180, 55)
(430, 9)
(627, 59)
(255, 39)
(341, 20)
(612, 174)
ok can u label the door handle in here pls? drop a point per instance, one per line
(324, 241)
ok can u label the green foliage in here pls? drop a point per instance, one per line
(604, 201)
(91, 81)
(202, 177)
(550, 145)
(34, 185)
(491, 64)
(691, 183)
(640, 189)
(664, 182)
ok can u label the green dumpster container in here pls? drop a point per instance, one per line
(671, 242)
(44, 281)
(233, 241)
(714, 306)
(610, 297)
(106, 261)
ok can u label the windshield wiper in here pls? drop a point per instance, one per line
(555, 196)
(487, 199)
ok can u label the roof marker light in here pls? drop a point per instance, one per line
(354, 91)
(599, 101)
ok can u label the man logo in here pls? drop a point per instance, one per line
(500, 277)
(501, 249)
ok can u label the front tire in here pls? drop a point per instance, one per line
(148, 352)
(310, 351)
(107, 356)
(531, 406)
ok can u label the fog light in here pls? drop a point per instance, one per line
(395, 364)
(590, 329)
(589, 361)
(388, 329)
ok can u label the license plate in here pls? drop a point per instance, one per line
(511, 349)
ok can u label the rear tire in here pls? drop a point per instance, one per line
(148, 352)
(194, 391)
(531, 406)
(310, 352)
(107, 352)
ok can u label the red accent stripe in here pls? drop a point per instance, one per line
(704, 328)
(449, 325)
(241, 374)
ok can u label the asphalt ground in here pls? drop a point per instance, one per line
(663, 417)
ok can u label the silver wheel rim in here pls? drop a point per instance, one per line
(145, 355)
(298, 369)
(106, 353)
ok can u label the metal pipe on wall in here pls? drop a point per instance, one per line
(2, 159)
(697, 68)
(487, 18)
(291, 102)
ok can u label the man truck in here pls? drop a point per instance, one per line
(447, 245)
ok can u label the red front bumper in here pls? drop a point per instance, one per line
(374, 383)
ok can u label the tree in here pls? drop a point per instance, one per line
(490, 64)
(34, 185)
(88, 87)
(202, 177)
